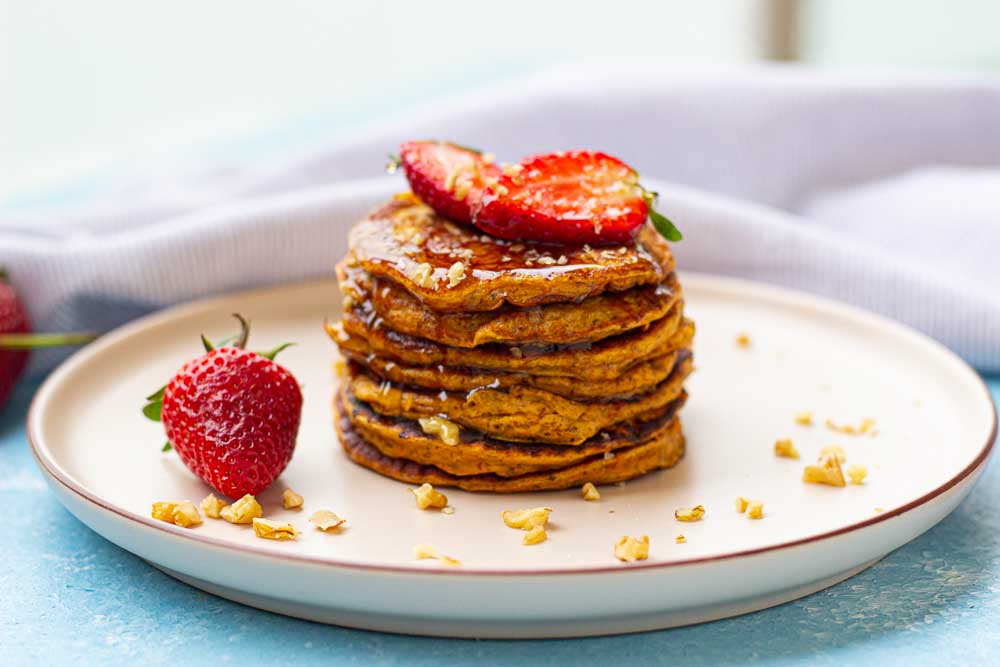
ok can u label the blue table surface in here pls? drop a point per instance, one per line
(69, 595)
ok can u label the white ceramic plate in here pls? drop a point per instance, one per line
(936, 426)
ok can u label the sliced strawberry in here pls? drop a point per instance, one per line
(566, 197)
(446, 176)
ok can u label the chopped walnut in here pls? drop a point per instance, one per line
(426, 496)
(589, 492)
(743, 340)
(680, 539)
(755, 510)
(212, 505)
(274, 530)
(244, 510)
(326, 520)
(785, 449)
(879, 510)
(447, 509)
(423, 275)
(535, 536)
(827, 471)
(857, 474)
(340, 368)
(866, 427)
(516, 352)
(456, 273)
(804, 418)
(182, 513)
(690, 514)
(836, 451)
(628, 549)
(446, 430)
(528, 518)
(428, 552)
(291, 500)
(462, 189)
(741, 504)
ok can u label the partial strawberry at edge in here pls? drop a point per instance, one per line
(447, 177)
(13, 319)
(567, 197)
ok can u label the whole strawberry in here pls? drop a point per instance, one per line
(232, 415)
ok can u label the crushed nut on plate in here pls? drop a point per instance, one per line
(857, 474)
(755, 510)
(291, 500)
(867, 427)
(182, 513)
(211, 505)
(785, 449)
(535, 536)
(628, 549)
(426, 497)
(826, 471)
(804, 418)
(680, 539)
(741, 504)
(428, 552)
(689, 513)
(274, 530)
(743, 340)
(244, 510)
(326, 520)
(589, 492)
(836, 451)
(527, 519)
(447, 509)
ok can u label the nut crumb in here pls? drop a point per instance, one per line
(291, 500)
(835, 451)
(741, 504)
(743, 340)
(804, 418)
(526, 519)
(608, 456)
(628, 549)
(689, 514)
(589, 492)
(857, 474)
(426, 496)
(441, 427)
(536, 535)
(879, 510)
(456, 274)
(826, 471)
(447, 509)
(244, 510)
(428, 552)
(273, 530)
(326, 520)
(516, 352)
(866, 427)
(680, 539)
(755, 510)
(212, 505)
(785, 449)
(422, 275)
(181, 513)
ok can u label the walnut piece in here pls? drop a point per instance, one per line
(836, 451)
(326, 520)
(866, 427)
(291, 500)
(527, 519)
(456, 274)
(741, 504)
(785, 449)
(804, 418)
(743, 340)
(755, 510)
(212, 505)
(428, 552)
(857, 474)
(441, 427)
(423, 275)
(182, 513)
(680, 539)
(426, 496)
(628, 549)
(274, 530)
(535, 536)
(827, 471)
(689, 513)
(244, 510)
(589, 491)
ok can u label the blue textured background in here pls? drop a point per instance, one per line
(68, 595)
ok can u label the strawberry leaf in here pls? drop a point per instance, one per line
(166, 447)
(153, 410)
(207, 343)
(663, 225)
(157, 396)
(271, 354)
(393, 164)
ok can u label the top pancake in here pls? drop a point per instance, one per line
(400, 237)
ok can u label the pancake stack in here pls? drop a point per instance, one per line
(503, 366)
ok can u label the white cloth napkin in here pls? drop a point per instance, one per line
(882, 190)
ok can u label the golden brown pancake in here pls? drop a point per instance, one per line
(626, 464)
(401, 236)
(604, 360)
(477, 454)
(638, 379)
(592, 319)
(520, 414)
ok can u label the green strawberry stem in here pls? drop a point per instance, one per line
(30, 341)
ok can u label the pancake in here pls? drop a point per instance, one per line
(477, 454)
(592, 319)
(638, 379)
(604, 360)
(627, 464)
(404, 234)
(520, 414)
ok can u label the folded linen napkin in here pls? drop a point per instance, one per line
(882, 190)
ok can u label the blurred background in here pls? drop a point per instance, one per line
(113, 89)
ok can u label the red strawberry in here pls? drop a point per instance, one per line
(232, 415)
(569, 197)
(447, 177)
(17, 341)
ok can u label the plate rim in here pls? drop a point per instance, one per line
(789, 296)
